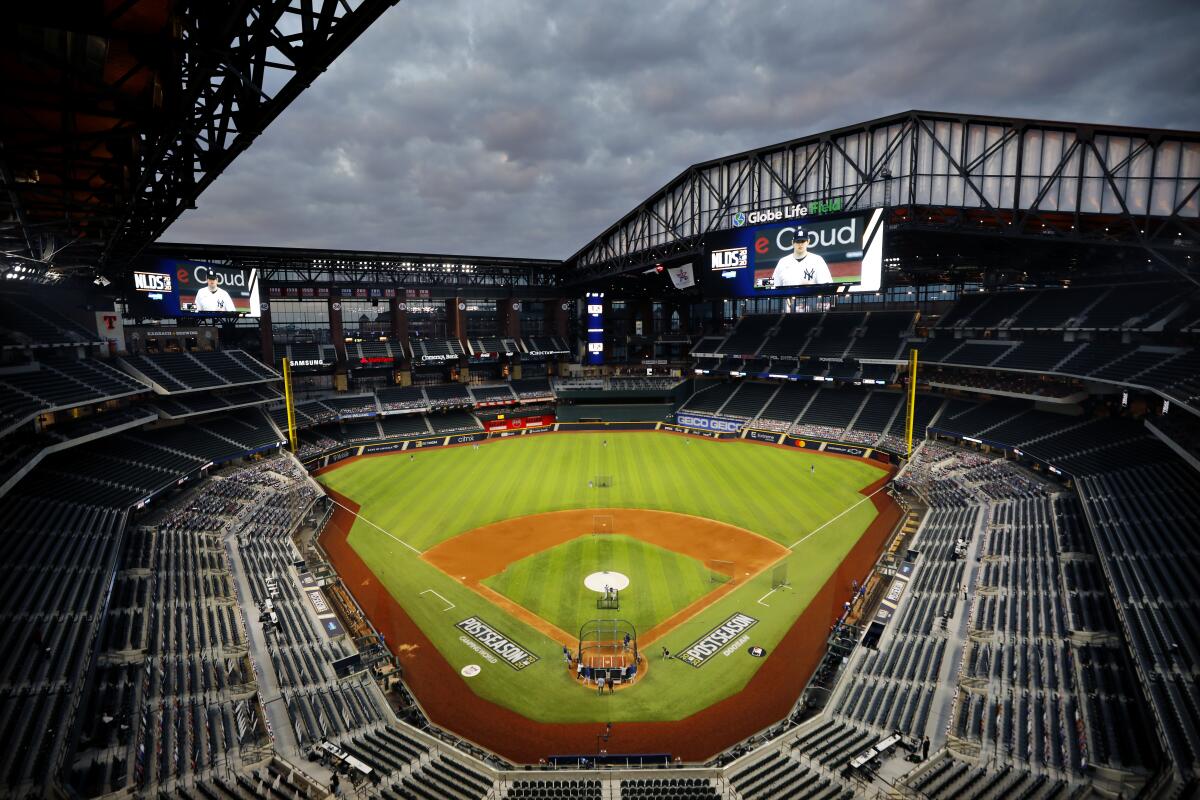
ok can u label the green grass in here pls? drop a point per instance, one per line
(444, 492)
(661, 582)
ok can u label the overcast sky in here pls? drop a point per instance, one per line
(526, 127)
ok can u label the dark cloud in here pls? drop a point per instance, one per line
(524, 128)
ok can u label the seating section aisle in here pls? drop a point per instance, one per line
(1144, 519)
(748, 399)
(948, 778)
(175, 609)
(709, 398)
(532, 388)
(785, 407)
(437, 350)
(454, 422)
(402, 398)
(26, 320)
(407, 425)
(883, 336)
(566, 789)
(893, 687)
(830, 411)
(668, 788)
(62, 383)
(780, 774)
(1027, 693)
(452, 395)
(489, 395)
(59, 558)
(185, 372)
(748, 336)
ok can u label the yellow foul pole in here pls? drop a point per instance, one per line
(287, 398)
(912, 402)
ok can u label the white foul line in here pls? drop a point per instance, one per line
(444, 600)
(827, 522)
(765, 596)
(376, 527)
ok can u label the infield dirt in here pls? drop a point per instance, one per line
(484, 551)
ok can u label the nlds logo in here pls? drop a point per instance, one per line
(151, 282)
(731, 258)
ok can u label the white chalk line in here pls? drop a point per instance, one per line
(765, 596)
(444, 600)
(828, 522)
(376, 527)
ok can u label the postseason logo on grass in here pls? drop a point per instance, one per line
(700, 651)
(512, 653)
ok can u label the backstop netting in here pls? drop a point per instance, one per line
(721, 571)
(608, 647)
(779, 575)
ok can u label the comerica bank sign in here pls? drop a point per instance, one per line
(828, 206)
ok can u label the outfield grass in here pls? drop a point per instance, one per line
(550, 583)
(443, 492)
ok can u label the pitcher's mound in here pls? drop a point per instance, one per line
(613, 580)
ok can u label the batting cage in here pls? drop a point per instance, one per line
(603, 481)
(608, 648)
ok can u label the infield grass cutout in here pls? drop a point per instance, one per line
(661, 581)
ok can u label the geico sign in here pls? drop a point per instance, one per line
(708, 423)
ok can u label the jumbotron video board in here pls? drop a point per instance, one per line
(172, 287)
(797, 256)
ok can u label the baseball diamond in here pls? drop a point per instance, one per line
(504, 533)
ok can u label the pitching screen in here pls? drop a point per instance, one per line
(799, 256)
(178, 288)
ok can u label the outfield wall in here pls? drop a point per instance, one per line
(343, 452)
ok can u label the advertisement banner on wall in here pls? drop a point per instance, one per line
(846, 449)
(518, 423)
(693, 431)
(382, 448)
(716, 424)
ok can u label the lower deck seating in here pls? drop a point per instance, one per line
(570, 789)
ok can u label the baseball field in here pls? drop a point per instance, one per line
(496, 553)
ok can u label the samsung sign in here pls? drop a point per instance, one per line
(710, 423)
